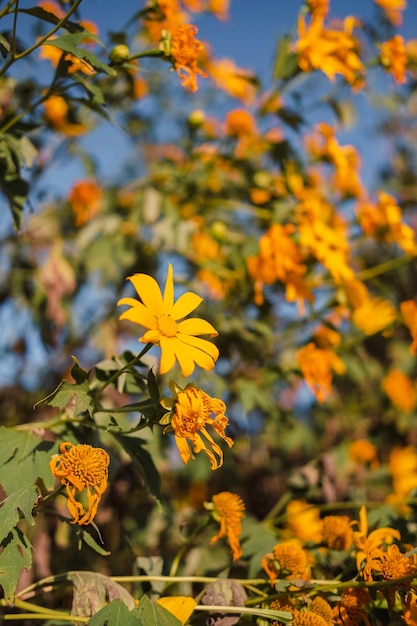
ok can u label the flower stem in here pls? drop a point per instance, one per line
(126, 367)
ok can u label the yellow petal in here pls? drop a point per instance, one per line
(148, 290)
(138, 313)
(167, 354)
(180, 606)
(185, 304)
(196, 326)
(201, 344)
(168, 302)
(183, 448)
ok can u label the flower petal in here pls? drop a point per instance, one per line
(185, 304)
(148, 290)
(201, 344)
(167, 354)
(196, 326)
(151, 336)
(180, 606)
(168, 302)
(137, 313)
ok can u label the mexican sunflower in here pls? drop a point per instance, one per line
(160, 315)
(81, 468)
(191, 411)
(228, 509)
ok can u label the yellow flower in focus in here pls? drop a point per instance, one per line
(229, 510)
(337, 532)
(409, 312)
(191, 411)
(394, 58)
(331, 51)
(316, 366)
(392, 9)
(393, 564)
(185, 51)
(160, 315)
(181, 607)
(363, 452)
(400, 390)
(308, 618)
(350, 609)
(287, 560)
(82, 469)
(85, 198)
(304, 521)
(367, 544)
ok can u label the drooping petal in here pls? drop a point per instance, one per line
(201, 344)
(149, 292)
(185, 304)
(138, 313)
(183, 448)
(167, 346)
(196, 326)
(168, 301)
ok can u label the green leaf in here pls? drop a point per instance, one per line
(19, 503)
(143, 461)
(115, 614)
(85, 537)
(78, 374)
(66, 392)
(69, 42)
(152, 614)
(153, 388)
(94, 92)
(47, 16)
(15, 555)
(286, 63)
(24, 458)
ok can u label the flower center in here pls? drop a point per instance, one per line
(88, 464)
(167, 326)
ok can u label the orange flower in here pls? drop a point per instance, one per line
(400, 390)
(191, 411)
(304, 521)
(81, 468)
(287, 560)
(185, 49)
(392, 564)
(85, 198)
(409, 313)
(362, 452)
(317, 365)
(228, 509)
(410, 612)
(235, 81)
(403, 467)
(337, 532)
(240, 122)
(374, 315)
(350, 609)
(394, 58)
(56, 113)
(178, 340)
(331, 51)
(392, 9)
(318, 8)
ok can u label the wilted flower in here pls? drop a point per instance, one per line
(82, 469)
(160, 315)
(228, 509)
(191, 411)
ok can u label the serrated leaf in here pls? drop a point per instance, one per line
(19, 503)
(143, 461)
(115, 614)
(96, 94)
(15, 555)
(151, 614)
(24, 458)
(69, 42)
(78, 374)
(66, 392)
(92, 591)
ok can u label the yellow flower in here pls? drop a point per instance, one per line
(160, 315)
(235, 81)
(337, 532)
(392, 564)
(317, 365)
(368, 544)
(304, 521)
(229, 509)
(180, 606)
(392, 9)
(185, 50)
(81, 468)
(191, 411)
(400, 390)
(287, 559)
(362, 452)
(321, 607)
(374, 315)
(393, 57)
(409, 313)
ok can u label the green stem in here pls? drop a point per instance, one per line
(382, 268)
(176, 562)
(126, 367)
(7, 8)
(146, 54)
(14, 34)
